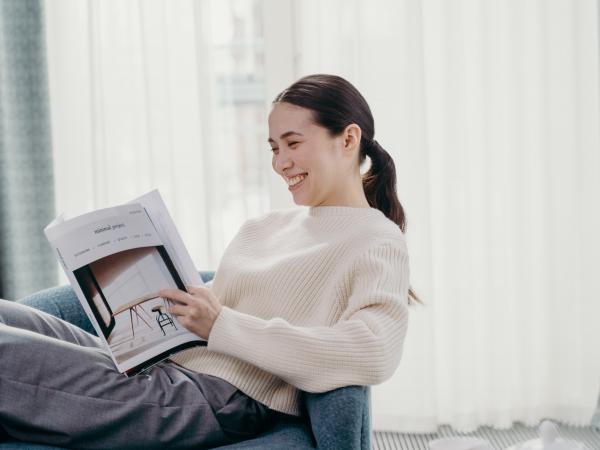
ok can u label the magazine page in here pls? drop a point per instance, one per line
(165, 227)
(117, 262)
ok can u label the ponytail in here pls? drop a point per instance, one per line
(379, 183)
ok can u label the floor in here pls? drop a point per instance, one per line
(500, 439)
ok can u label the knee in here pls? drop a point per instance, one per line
(12, 313)
(4, 307)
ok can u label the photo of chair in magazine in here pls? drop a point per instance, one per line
(117, 263)
(122, 292)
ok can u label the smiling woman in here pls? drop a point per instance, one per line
(303, 300)
(316, 298)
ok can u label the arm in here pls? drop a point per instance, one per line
(364, 347)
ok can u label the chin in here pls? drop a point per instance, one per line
(298, 200)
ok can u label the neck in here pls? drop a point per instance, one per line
(352, 195)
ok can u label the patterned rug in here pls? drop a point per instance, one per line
(500, 439)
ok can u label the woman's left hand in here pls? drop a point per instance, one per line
(196, 309)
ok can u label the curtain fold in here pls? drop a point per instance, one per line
(26, 178)
(491, 112)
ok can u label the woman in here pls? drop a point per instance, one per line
(304, 299)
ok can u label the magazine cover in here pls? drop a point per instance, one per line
(117, 260)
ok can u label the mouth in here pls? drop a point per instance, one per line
(296, 182)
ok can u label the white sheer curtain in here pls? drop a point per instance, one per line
(491, 111)
(489, 108)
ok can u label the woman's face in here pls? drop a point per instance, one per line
(313, 163)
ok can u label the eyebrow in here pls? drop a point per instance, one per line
(286, 134)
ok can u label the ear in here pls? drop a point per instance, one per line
(351, 139)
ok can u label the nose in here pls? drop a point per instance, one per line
(283, 162)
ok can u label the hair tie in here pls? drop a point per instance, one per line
(379, 157)
(371, 146)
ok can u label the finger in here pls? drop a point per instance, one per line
(175, 294)
(195, 289)
(178, 310)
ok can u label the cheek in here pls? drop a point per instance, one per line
(325, 167)
(309, 160)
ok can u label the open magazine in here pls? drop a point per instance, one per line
(117, 260)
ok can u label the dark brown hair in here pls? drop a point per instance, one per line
(335, 104)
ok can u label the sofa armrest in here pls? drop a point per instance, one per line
(340, 418)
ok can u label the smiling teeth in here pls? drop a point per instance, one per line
(296, 180)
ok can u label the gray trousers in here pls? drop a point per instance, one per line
(59, 386)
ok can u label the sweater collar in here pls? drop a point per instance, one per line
(330, 211)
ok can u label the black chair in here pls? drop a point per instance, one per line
(163, 318)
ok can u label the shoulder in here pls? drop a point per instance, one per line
(379, 232)
(379, 250)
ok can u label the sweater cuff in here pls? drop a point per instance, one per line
(228, 329)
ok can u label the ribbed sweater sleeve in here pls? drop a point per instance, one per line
(363, 347)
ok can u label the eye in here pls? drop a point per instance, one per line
(275, 150)
(293, 144)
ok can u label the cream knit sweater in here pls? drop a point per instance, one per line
(313, 299)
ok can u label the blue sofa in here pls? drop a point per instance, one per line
(339, 419)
